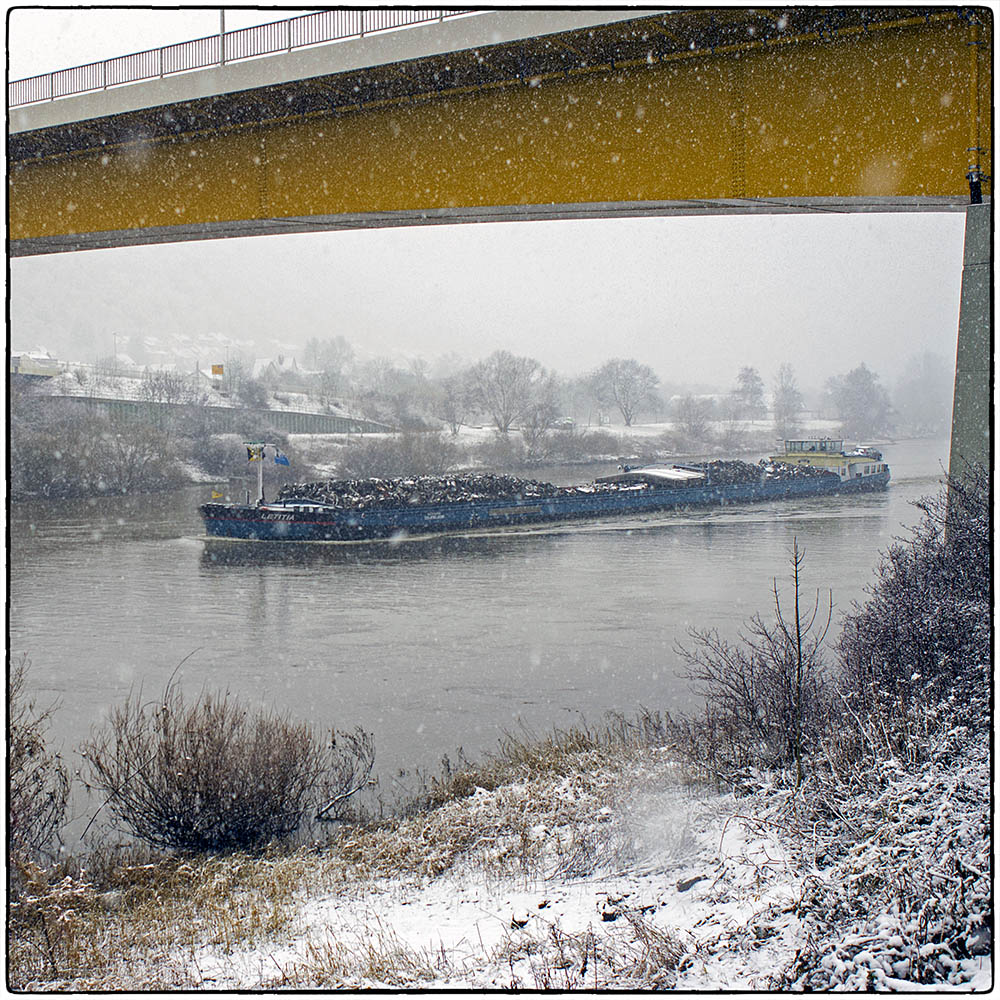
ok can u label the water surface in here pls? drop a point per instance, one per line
(432, 646)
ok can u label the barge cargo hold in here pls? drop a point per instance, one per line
(371, 509)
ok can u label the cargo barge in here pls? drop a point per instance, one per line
(372, 509)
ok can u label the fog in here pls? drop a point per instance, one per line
(695, 298)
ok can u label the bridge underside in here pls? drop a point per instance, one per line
(695, 112)
(63, 243)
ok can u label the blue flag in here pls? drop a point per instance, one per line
(280, 459)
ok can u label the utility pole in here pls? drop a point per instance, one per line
(222, 36)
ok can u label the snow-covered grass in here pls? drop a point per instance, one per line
(573, 863)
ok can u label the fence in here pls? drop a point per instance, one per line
(217, 50)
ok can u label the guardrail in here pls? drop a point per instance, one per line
(217, 50)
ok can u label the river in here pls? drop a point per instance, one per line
(431, 647)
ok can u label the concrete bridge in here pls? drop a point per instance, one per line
(522, 114)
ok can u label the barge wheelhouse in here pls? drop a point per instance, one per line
(861, 464)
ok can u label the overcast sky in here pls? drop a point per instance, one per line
(695, 298)
(58, 37)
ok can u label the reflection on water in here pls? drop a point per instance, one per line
(431, 645)
(222, 552)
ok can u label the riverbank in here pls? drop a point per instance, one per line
(573, 864)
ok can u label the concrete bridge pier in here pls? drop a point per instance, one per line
(971, 423)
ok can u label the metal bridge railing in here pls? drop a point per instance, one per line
(216, 50)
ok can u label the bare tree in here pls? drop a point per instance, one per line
(540, 414)
(861, 402)
(164, 387)
(331, 358)
(627, 384)
(455, 399)
(764, 701)
(580, 398)
(693, 416)
(734, 430)
(504, 387)
(787, 402)
(923, 395)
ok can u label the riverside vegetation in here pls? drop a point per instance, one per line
(865, 760)
(61, 449)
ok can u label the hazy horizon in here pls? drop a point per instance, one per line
(695, 298)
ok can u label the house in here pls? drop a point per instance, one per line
(277, 369)
(34, 364)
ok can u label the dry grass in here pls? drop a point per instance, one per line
(635, 955)
(527, 755)
(535, 807)
(379, 959)
(131, 929)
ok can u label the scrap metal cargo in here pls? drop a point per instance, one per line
(366, 509)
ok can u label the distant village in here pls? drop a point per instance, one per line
(121, 378)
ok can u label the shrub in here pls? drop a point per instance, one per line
(765, 705)
(132, 456)
(601, 443)
(677, 442)
(212, 776)
(53, 444)
(408, 454)
(924, 632)
(38, 784)
(565, 446)
(502, 452)
(62, 448)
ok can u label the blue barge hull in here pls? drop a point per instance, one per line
(302, 521)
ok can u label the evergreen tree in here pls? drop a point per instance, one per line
(860, 402)
(749, 393)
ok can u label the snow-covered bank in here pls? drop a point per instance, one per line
(605, 871)
(667, 887)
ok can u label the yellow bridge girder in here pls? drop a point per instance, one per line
(893, 110)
